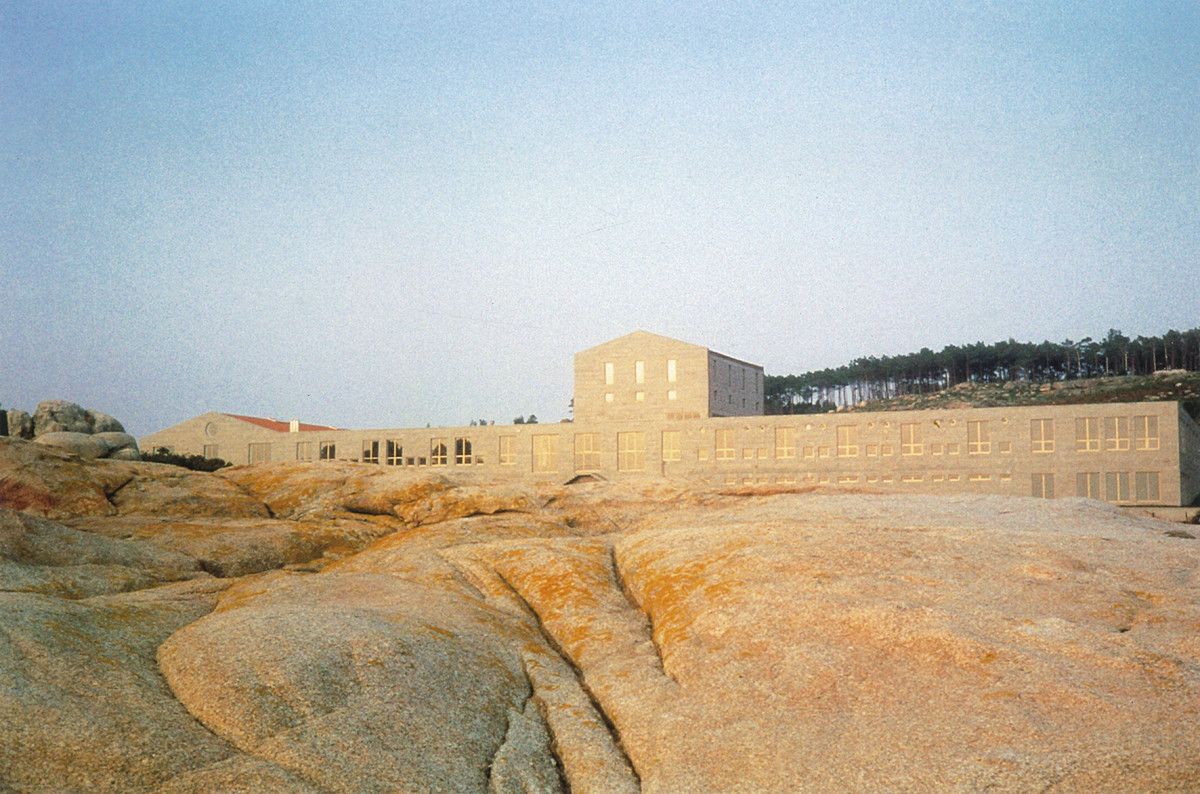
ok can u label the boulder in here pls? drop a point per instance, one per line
(118, 441)
(103, 423)
(360, 682)
(125, 453)
(84, 445)
(41, 479)
(60, 416)
(20, 424)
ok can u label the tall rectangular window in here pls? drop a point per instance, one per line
(723, 444)
(463, 452)
(1145, 432)
(608, 373)
(671, 370)
(438, 452)
(587, 452)
(672, 394)
(639, 371)
(1116, 486)
(1116, 433)
(672, 450)
(545, 453)
(258, 453)
(370, 452)
(1087, 484)
(847, 441)
(1145, 486)
(785, 443)
(1087, 434)
(978, 438)
(304, 450)
(1042, 485)
(910, 440)
(210, 451)
(327, 450)
(1041, 435)
(631, 451)
(508, 450)
(394, 453)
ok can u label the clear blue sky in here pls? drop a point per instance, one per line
(381, 215)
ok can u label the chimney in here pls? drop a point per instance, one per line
(294, 426)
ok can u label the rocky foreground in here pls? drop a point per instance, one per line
(347, 627)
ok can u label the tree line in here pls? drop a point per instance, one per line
(926, 371)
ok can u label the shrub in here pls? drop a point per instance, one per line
(193, 462)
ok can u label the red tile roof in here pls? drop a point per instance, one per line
(276, 425)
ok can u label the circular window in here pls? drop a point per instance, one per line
(210, 429)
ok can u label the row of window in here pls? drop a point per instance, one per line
(1120, 434)
(639, 371)
(640, 396)
(1115, 486)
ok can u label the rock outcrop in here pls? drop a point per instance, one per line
(70, 427)
(335, 627)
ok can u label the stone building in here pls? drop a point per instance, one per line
(646, 405)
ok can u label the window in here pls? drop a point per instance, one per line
(978, 439)
(394, 453)
(672, 395)
(979, 478)
(639, 372)
(1145, 432)
(1145, 486)
(508, 453)
(1116, 486)
(631, 451)
(1087, 434)
(259, 453)
(885, 450)
(608, 373)
(640, 396)
(210, 451)
(608, 397)
(670, 370)
(810, 452)
(587, 452)
(370, 452)
(328, 450)
(1116, 433)
(437, 452)
(910, 440)
(872, 450)
(463, 455)
(545, 453)
(304, 450)
(911, 478)
(1087, 484)
(671, 448)
(785, 443)
(1042, 485)
(1041, 435)
(847, 441)
(748, 453)
(952, 449)
(723, 445)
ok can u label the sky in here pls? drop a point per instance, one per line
(394, 214)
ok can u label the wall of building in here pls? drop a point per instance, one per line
(735, 387)
(664, 391)
(1102, 450)
(1189, 458)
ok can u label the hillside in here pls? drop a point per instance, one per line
(348, 627)
(1164, 385)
